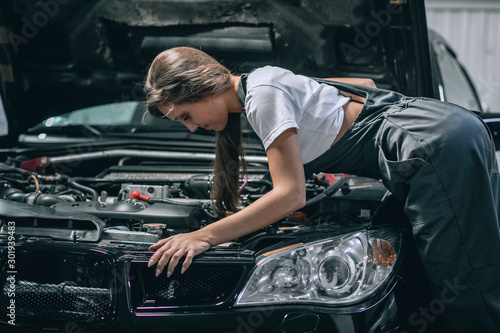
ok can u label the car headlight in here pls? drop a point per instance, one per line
(337, 270)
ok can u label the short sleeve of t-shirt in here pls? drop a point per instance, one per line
(271, 113)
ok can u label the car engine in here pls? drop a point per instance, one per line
(156, 202)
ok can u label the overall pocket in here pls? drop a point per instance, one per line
(415, 182)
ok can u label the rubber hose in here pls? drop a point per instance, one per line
(72, 182)
(329, 191)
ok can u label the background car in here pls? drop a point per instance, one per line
(88, 181)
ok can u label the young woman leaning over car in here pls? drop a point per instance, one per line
(438, 158)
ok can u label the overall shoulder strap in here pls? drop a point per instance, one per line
(350, 88)
(374, 95)
(241, 91)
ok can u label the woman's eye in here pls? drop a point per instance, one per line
(186, 117)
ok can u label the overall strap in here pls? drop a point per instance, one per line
(372, 95)
(353, 89)
(241, 91)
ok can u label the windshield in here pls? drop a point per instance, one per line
(116, 120)
(117, 114)
(105, 119)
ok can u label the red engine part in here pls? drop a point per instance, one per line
(36, 164)
(137, 195)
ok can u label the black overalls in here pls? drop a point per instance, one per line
(439, 159)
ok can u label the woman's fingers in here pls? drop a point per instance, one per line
(159, 244)
(171, 250)
(164, 260)
(160, 249)
(194, 250)
(174, 260)
(187, 262)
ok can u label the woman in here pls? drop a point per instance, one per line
(438, 158)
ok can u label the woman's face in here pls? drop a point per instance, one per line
(208, 113)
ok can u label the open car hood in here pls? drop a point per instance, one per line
(61, 55)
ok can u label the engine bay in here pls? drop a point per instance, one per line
(164, 198)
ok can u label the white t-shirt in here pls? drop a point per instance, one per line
(278, 99)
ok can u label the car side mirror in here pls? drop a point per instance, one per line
(493, 122)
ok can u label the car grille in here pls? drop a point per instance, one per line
(203, 284)
(56, 288)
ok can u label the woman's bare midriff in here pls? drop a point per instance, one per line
(351, 112)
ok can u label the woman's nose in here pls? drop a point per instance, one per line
(191, 127)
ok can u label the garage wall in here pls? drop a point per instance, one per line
(473, 31)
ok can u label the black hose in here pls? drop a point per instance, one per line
(7, 169)
(72, 182)
(71, 190)
(264, 182)
(173, 202)
(329, 191)
(35, 198)
(266, 185)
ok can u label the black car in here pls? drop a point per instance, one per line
(88, 181)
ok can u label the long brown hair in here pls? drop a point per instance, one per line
(185, 74)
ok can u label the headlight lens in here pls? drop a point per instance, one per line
(338, 270)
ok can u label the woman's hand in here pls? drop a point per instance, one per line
(288, 194)
(170, 250)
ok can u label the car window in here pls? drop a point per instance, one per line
(456, 85)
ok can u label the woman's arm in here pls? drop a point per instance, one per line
(287, 195)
